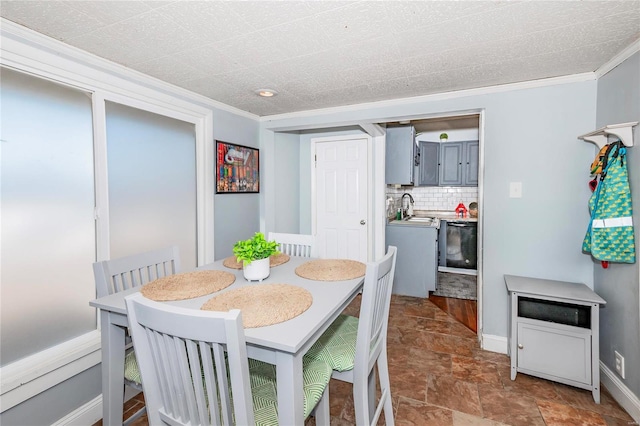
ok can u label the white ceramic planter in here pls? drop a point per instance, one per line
(257, 270)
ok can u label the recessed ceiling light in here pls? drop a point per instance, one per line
(266, 93)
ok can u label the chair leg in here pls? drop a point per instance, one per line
(135, 416)
(385, 385)
(371, 387)
(322, 414)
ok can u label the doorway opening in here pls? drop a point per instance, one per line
(447, 175)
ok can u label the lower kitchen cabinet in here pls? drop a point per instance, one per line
(554, 331)
(416, 260)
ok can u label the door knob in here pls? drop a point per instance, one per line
(363, 222)
(520, 346)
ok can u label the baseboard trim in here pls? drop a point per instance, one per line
(36, 373)
(87, 414)
(90, 412)
(620, 392)
(494, 343)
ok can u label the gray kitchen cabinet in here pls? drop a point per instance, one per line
(470, 163)
(554, 331)
(429, 154)
(416, 268)
(459, 163)
(451, 164)
(400, 151)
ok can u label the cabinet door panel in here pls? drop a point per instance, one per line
(471, 163)
(400, 142)
(428, 168)
(451, 164)
(555, 350)
(416, 267)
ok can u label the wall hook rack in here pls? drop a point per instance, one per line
(600, 137)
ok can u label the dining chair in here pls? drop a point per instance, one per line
(115, 275)
(354, 346)
(302, 245)
(195, 369)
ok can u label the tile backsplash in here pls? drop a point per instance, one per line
(435, 197)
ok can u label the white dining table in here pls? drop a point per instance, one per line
(282, 345)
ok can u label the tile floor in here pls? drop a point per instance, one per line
(440, 376)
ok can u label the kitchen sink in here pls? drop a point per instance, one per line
(432, 221)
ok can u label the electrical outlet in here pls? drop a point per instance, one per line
(620, 364)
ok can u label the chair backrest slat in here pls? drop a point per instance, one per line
(374, 312)
(116, 275)
(301, 245)
(181, 356)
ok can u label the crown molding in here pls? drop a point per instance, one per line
(44, 43)
(552, 81)
(619, 58)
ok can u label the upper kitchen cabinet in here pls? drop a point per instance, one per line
(400, 153)
(459, 163)
(429, 155)
(470, 165)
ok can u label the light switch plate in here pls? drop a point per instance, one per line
(515, 190)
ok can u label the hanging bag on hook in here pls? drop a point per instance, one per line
(610, 235)
(597, 165)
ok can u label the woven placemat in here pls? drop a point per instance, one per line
(274, 260)
(279, 259)
(187, 285)
(331, 269)
(263, 304)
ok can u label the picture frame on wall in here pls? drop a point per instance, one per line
(237, 168)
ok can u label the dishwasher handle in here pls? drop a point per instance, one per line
(461, 224)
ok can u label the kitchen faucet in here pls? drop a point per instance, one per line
(409, 209)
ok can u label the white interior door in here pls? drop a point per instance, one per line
(341, 198)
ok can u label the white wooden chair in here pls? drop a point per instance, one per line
(302, 245)
(113, 276)
(353, 347)
(195, 369)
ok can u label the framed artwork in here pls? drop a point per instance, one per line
(237, 169)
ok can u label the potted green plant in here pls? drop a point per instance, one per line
(254, 254)
(444, 137)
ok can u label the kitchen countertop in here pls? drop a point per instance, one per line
(438, 214)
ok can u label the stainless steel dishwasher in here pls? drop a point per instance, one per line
(459, 244)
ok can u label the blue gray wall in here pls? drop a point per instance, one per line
(287, 175)
(530, 136)
(236, 216)
(619, 102)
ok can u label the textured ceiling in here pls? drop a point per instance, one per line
(320, 54)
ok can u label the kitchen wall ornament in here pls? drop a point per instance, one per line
(237, 169)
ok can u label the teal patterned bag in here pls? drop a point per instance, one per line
(610, 236)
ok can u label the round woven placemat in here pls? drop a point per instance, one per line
(263, 304)
(187, 285)
(279, 259)
(331, 269)
(274, 260)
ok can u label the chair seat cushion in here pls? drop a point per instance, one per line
(337, 345)
(131, 370)
(316, 374)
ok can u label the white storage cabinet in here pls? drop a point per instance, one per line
(554, 331)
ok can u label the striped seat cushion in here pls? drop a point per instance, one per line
(315, 375)
(337, 345)
(131, 371)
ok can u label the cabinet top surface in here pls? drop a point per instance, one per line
(551, 288)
